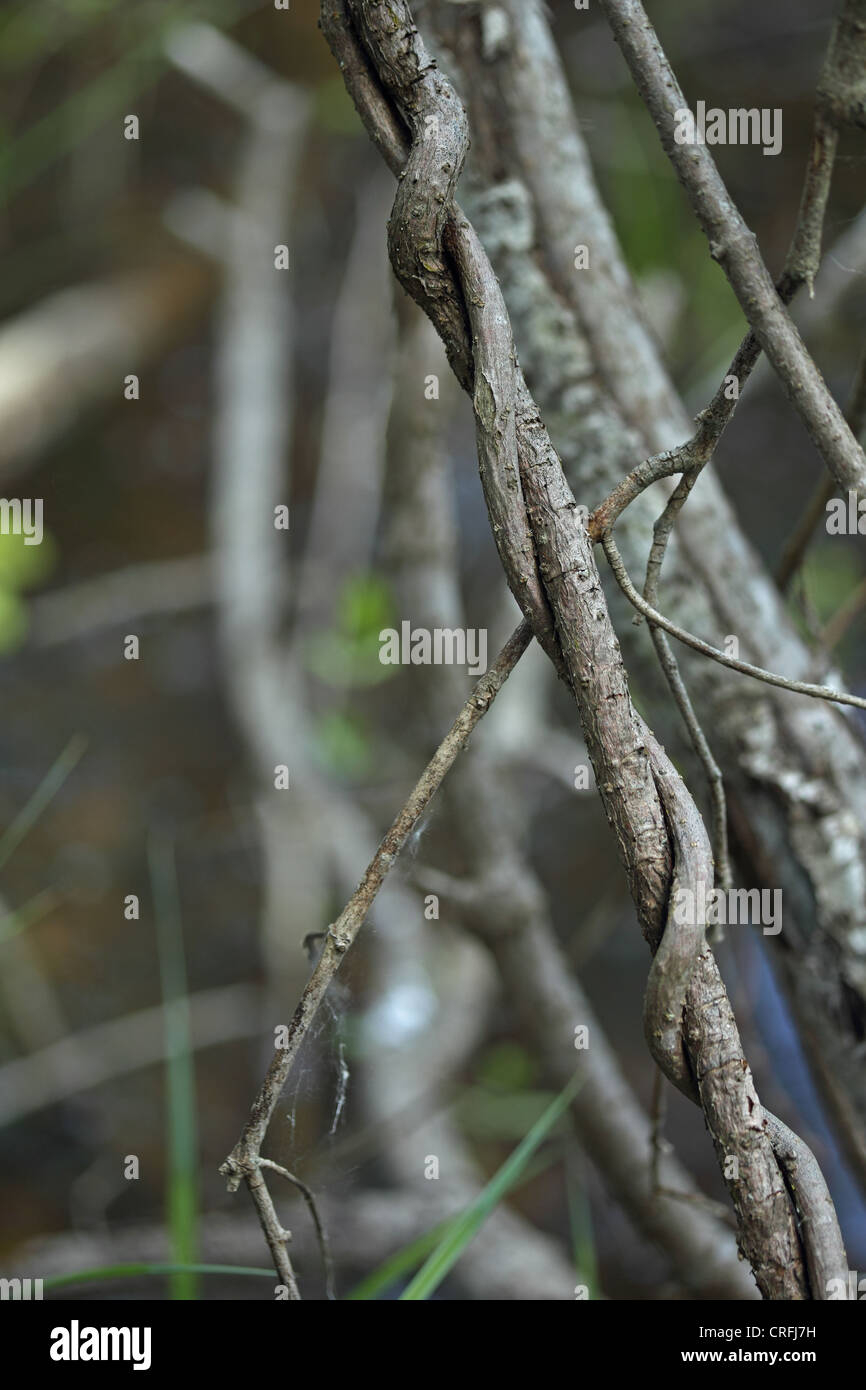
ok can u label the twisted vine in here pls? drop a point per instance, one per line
(666, 1000)
(414, 116)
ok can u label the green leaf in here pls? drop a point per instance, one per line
(24, 566)
(507, 1066)
(466, 1226)
(580, 1221)
(180, 1070)
(392, 1269)
(365, 605)
(395, 1266)
(136, 1271)
(67, 125)
(18, 921)
(342, 745)
(43, 795)
(347, 654)
(486, 1114)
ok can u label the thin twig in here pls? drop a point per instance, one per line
(698, 1199)
(661, 535)
(669, 1027)
(254, 418)
(834, 630)
(734, 247)
(499, 897)
(244, 1161)
(817, 692)
(521, 103)
(801, 267)
(715, 780)
(321, 1233)
(428, 237)
(795, 551)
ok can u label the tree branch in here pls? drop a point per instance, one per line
(817, 692)
(735, 249)
(588, 646)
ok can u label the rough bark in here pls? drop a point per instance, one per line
(795, 771)
(500, 898)
(566, 561)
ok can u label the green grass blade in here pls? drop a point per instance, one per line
(409, 1258)
(180, 1071)
(399, 1264)
(32, 911)
(43, 795)
(137, 1271)
(580, 1221)
(466, 1226)
(105, 97)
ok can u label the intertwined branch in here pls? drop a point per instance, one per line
(598, 376)
(244, 1163)
(839, 101)
(733, 245)
(414, 116)
(406, 102)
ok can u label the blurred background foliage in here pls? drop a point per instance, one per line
(125, 483)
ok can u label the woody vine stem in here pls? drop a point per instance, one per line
(786, 1224)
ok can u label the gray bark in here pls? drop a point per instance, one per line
(795, 770)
